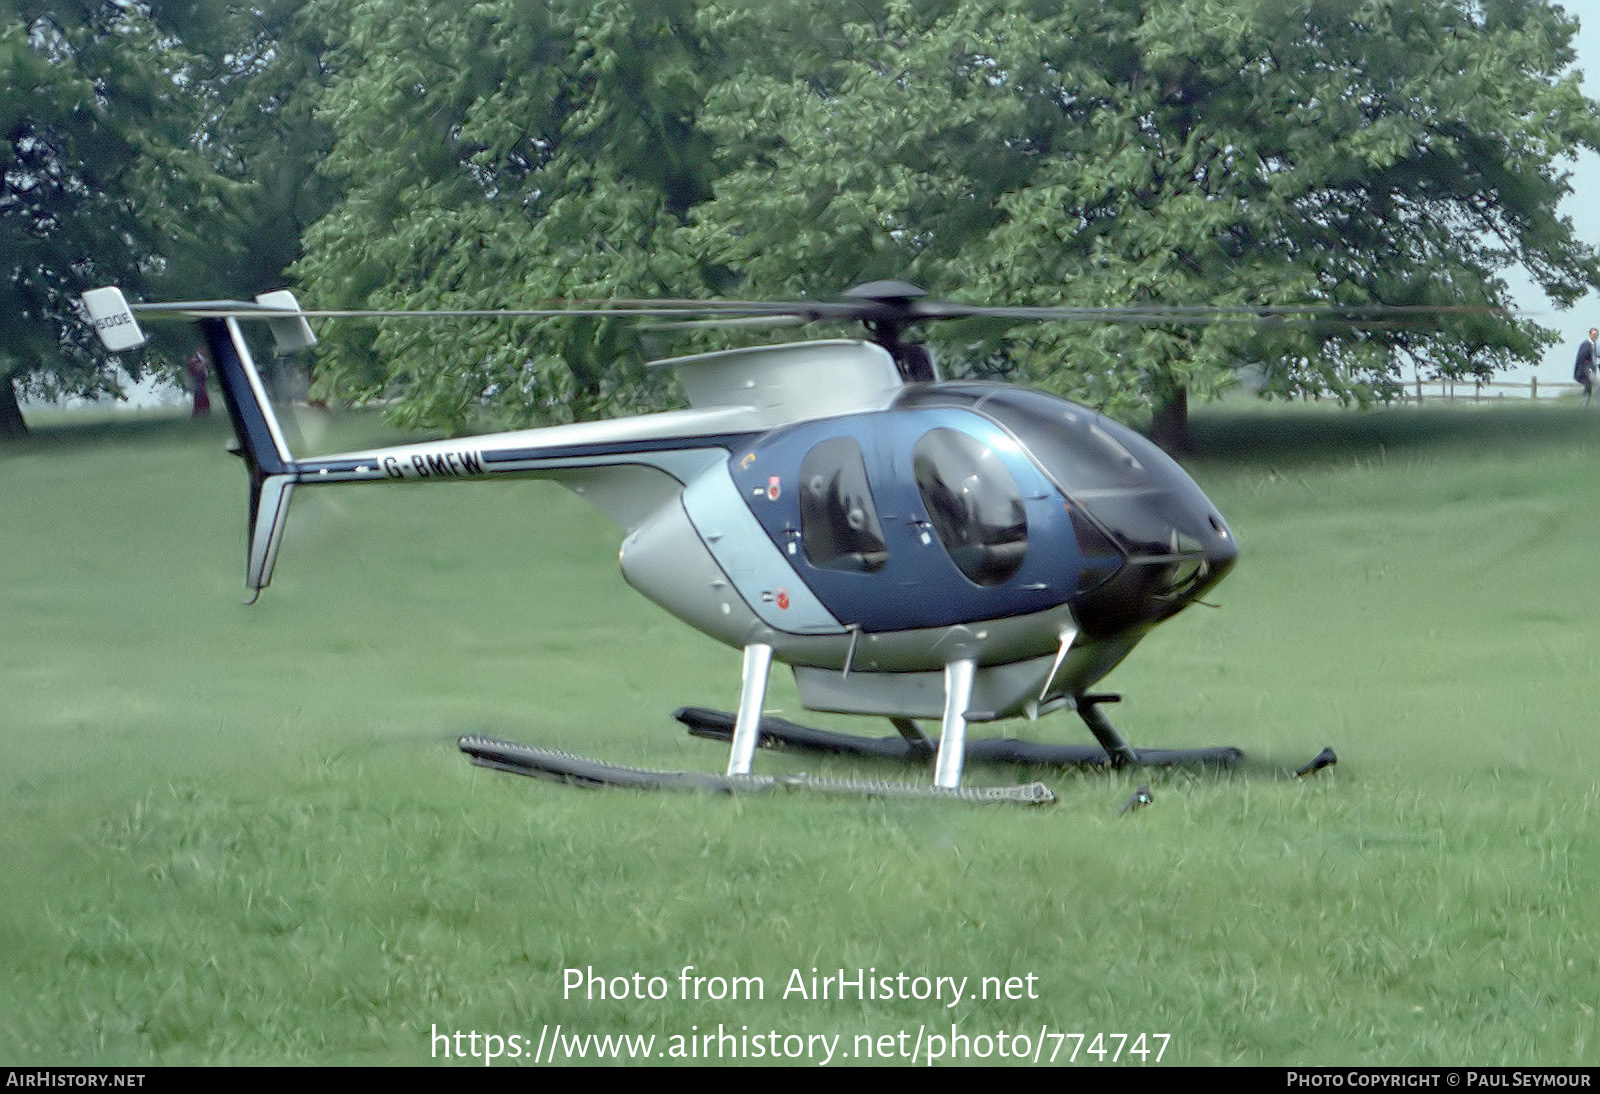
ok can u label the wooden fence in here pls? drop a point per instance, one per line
(1420, 391)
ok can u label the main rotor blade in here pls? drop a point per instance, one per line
(898, 311)
(646, 308)
(761, 322)
(1160, 313)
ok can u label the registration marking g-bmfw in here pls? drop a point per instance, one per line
(442, 464)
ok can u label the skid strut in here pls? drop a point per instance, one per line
(958, 676)
(752, 696)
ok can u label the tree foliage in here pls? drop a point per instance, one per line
(94, 162)
(1180, 152)
(166, 147)
(1350, 152)
(507, 153)
(1097, 152)
(259, 74)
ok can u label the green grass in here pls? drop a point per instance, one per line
(238, 835)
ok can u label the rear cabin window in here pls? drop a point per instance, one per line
(839, 527)
(973, 505)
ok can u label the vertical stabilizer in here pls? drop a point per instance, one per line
(273, 472)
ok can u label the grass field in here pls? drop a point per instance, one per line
(237, 835)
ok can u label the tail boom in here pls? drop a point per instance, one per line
(626, 467)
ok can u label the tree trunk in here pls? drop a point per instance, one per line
(11, 424)
(1169, 425)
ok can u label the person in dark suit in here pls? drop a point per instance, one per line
(1584, 370)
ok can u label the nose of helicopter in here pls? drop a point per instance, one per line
(1177, 547)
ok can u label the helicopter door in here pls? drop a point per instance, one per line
(839, 527)
(973, 504)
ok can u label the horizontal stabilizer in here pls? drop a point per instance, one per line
(292, 332)
(112, 319)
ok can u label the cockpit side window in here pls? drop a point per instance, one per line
(839, 527)
(973, 505)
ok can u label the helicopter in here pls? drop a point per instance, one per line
(912, 548)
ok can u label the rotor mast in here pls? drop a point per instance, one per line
(888, 323)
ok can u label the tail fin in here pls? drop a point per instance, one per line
(273, 471)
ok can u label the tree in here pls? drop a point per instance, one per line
(502, 154)
(258, 74)
(1181, 152)
(1094, 152)
(93, 129)
(128, 157)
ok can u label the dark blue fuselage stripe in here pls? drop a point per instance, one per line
(727, 442)
(249, 421)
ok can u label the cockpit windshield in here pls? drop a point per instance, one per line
(1084, 452)
(1136, 491)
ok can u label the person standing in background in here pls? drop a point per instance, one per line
(197, 384)
(1583, 371)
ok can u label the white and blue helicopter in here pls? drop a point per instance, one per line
(963, 552)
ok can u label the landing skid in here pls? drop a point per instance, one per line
(575, 770)
(748, 729)
(1114, 752)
